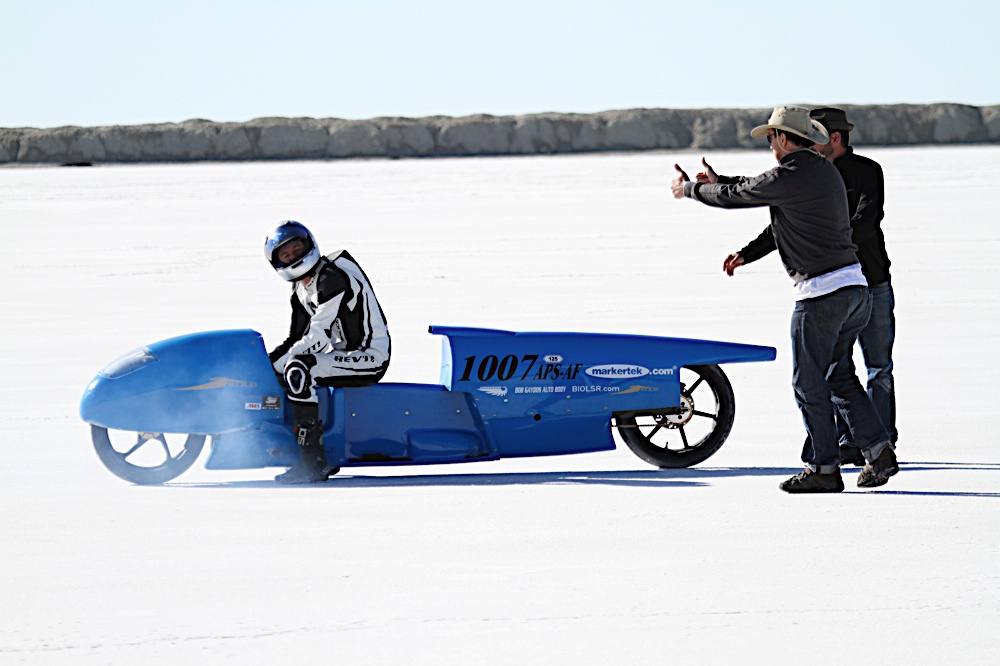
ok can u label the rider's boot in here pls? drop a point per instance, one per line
(311, 466)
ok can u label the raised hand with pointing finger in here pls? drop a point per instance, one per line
(677, 184)
(708, 176)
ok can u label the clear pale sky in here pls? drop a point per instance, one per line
(110, 62)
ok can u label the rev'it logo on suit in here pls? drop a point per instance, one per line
(221, 382)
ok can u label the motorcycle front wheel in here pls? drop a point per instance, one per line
(146, 458)
(686, 435)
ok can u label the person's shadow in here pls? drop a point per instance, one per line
(647, 478)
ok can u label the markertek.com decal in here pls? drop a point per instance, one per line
(617, 371)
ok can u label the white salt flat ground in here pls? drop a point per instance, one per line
(584, 559)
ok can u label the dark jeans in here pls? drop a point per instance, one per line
(824, 330)
(876, 340)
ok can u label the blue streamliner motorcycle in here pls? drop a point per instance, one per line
(501, 394)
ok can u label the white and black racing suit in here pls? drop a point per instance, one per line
(338, 336)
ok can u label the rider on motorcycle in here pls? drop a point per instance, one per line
(338, 337)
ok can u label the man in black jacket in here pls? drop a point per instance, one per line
(865, 198)
(811, 230)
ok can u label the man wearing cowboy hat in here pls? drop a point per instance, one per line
(811, 230)
(865, 197)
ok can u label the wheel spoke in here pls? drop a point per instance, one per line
(714, 417)
(684, 438)
(654, 431)
(166, 449)
(696, 384)
(139, 442)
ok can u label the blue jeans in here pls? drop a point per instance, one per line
(876, 340)
(824, 331)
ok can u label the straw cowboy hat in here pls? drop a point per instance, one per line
(796, 120)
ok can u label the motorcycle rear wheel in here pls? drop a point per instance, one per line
(151, 459)
(689, 435)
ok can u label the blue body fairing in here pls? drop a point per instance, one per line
(554, 393)
(201, 383)
(502, 394)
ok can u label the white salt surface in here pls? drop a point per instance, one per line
(588, 559)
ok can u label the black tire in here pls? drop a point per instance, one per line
(685, 437)
(153, 459)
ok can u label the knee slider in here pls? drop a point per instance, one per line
(298, 376)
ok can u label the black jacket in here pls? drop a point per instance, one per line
(336, 311)
(865, 196)
(810, 225)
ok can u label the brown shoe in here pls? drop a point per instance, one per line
(877, 473)
(813, 482)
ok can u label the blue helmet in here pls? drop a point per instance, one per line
(299, 264)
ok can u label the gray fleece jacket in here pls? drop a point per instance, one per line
(809, 213)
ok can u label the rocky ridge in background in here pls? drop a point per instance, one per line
(441, 136)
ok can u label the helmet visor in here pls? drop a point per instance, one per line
(291, 252)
